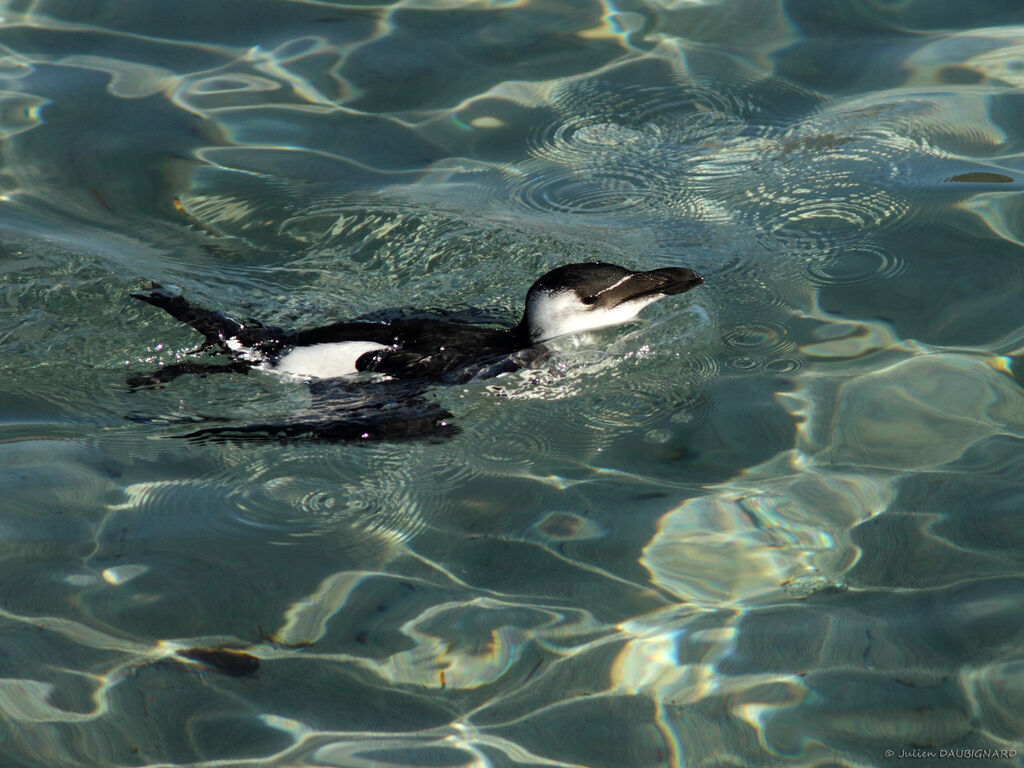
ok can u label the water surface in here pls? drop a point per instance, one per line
(773, 522)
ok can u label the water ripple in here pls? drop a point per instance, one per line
(846, 195)
(762, 345)
(510, 446)
(622, 148)
(584, 192)
(856, 264)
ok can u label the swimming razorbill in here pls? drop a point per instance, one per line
(408, 353)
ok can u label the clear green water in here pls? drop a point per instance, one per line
(776, 522)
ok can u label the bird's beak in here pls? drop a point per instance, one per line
(655, 284)
(673, 280)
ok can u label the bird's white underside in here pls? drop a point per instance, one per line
(325, 361)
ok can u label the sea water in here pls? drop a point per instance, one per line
(776, 521)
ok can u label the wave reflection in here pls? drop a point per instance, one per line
(775, 522)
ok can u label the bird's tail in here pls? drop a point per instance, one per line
(217, 328)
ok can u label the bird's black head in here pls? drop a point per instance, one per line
(582, 297)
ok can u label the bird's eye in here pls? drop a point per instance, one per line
(589, 299)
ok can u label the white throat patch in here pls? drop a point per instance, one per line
(556, 313)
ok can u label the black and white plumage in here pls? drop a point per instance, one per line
(408, 354)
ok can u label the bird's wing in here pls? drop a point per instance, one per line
(343, 411)
(379, 333)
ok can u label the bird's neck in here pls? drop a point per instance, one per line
(521, 334)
